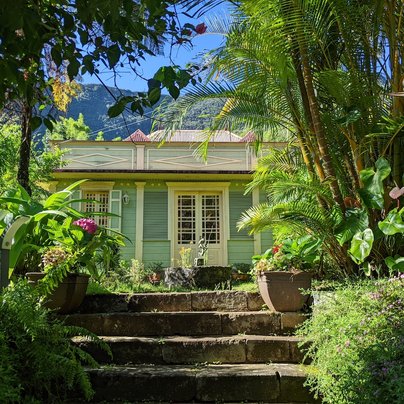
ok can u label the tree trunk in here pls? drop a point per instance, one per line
(306, 108)
(25, 148)
(319, 130)
(324, 154)
(394, 29)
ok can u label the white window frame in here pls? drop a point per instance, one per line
(219, 187)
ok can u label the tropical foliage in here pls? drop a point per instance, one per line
(42, 163)
(355, 343)
(38, 361)
(329, 73)
(69, 128)
(45, 46)
(54, 236)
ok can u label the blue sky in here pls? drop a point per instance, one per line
(181, 55)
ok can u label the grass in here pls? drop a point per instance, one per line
(245, 286)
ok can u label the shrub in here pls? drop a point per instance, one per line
(356, 343)
(38, 361)
(241, 268)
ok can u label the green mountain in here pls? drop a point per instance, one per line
(94, 100)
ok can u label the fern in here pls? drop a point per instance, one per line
(39, 361)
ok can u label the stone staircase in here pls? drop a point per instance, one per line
(193, 347)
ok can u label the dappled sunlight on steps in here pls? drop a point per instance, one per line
(193, 347)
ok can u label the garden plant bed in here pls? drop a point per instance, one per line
(199, 277)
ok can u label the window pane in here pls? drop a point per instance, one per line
(210, 218)
(100, 206)
(186, 219)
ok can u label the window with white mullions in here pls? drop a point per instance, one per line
(186, 219)
(211, 218)
(101, 206)
(198, 215)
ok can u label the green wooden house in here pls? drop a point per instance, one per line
(166, 197)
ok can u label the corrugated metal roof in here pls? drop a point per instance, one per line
(195, 136)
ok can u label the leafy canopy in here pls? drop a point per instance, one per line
(80, 36)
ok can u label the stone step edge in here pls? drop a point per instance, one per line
(212, 383)
(187, 323)
(176, 301)
(183, 350)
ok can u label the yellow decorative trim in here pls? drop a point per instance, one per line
(97, 185)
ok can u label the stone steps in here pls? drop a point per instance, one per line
(281, 383)
(193, 347)
(187, 350)
(172, 302)
(187, 323)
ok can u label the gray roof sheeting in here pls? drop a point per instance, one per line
(195, 136)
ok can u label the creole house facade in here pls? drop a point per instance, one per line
(166, 197)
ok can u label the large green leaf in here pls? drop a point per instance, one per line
(372, 193)
(361, 245)
(395, 263)
(355, 220)
(393, 223)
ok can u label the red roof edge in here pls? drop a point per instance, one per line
(137, 136)
(249, 138)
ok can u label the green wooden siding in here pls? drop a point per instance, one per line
(238, 203)
(266, 236)
(156, 251)
(240, 251)
(155, 214)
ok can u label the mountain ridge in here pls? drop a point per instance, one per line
(94, 100)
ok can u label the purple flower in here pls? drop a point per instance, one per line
(87, 225)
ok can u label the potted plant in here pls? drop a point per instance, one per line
(285, 270)
(154, 272)
(69, 262)
(55, 241)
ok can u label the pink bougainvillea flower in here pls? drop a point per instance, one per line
(87, 225)
(396, 192)
(201, 28)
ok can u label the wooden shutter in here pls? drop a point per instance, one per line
(76, 194)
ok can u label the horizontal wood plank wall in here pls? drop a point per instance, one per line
(240, 251)
(156, 247)
(266, 236)
(238, 203)
(240, 245)
(128, 222)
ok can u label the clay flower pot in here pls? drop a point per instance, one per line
(154, 278)
(280, 290)
(68, 296)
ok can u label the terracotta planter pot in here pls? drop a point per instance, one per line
(154, 279)
(68, 296)
(280, 289)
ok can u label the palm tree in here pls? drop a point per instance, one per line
(323, 70)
